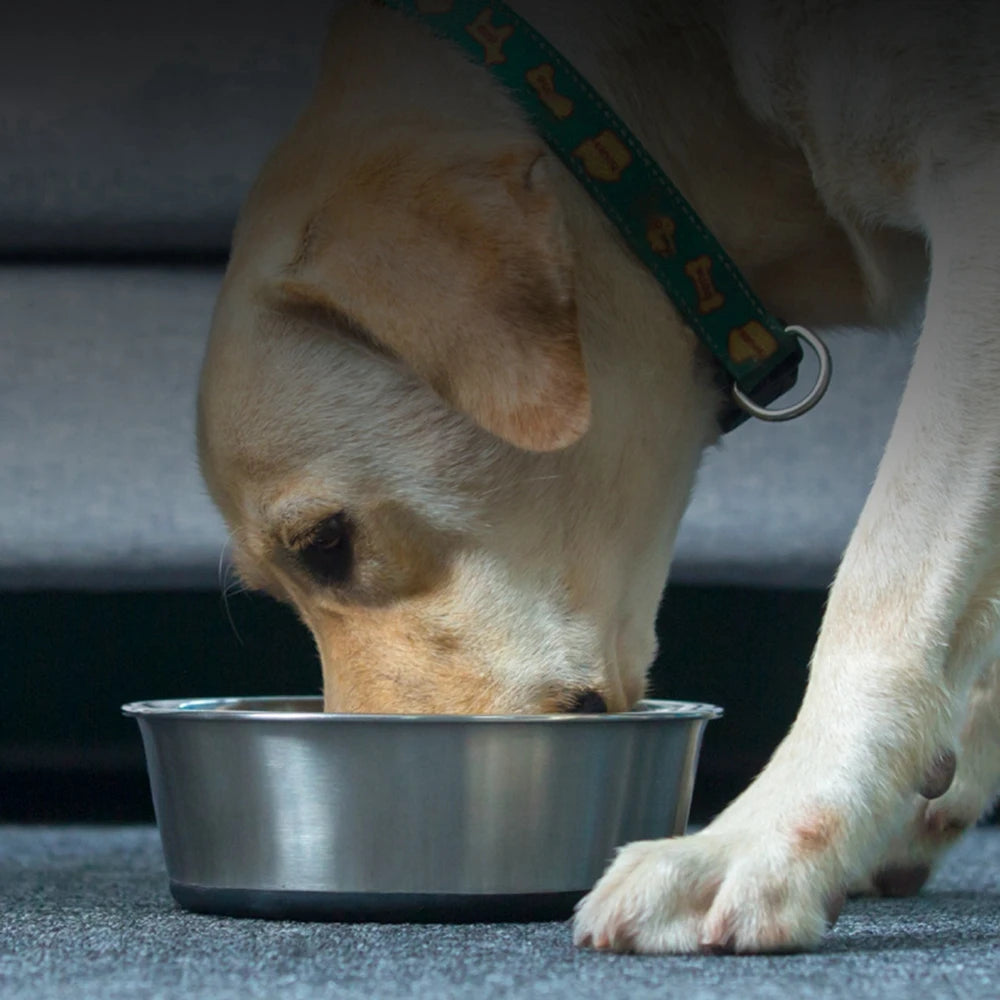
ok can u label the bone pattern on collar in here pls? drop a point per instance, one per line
(752, 348)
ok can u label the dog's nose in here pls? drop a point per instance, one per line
(588, 703)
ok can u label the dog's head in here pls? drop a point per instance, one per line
(442, 411)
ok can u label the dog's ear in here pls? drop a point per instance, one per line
(466, 276)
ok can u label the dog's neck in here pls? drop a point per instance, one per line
(752, 187)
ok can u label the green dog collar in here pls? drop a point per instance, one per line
(759, 356)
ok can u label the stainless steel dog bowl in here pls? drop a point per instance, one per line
(268, 807)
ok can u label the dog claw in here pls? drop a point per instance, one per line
(715, 947)
(895, 882)
(940, 775)
(833, 908)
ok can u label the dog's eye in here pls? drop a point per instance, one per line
(326, 552)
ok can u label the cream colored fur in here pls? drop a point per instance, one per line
(427, 326)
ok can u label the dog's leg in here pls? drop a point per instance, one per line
(936, 824)
(892, 669)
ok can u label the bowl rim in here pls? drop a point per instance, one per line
(221, 709)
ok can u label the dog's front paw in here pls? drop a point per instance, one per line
(706, 892)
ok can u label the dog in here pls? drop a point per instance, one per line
(453, 421)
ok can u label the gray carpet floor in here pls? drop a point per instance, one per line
(85, 913)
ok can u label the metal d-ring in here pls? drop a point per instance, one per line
(809, 400)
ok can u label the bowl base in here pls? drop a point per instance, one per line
(377, 907)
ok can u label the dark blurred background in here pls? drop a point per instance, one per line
(72, 659)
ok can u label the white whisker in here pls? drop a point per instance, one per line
(229, 587)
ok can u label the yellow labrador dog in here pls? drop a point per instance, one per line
(453, 421)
